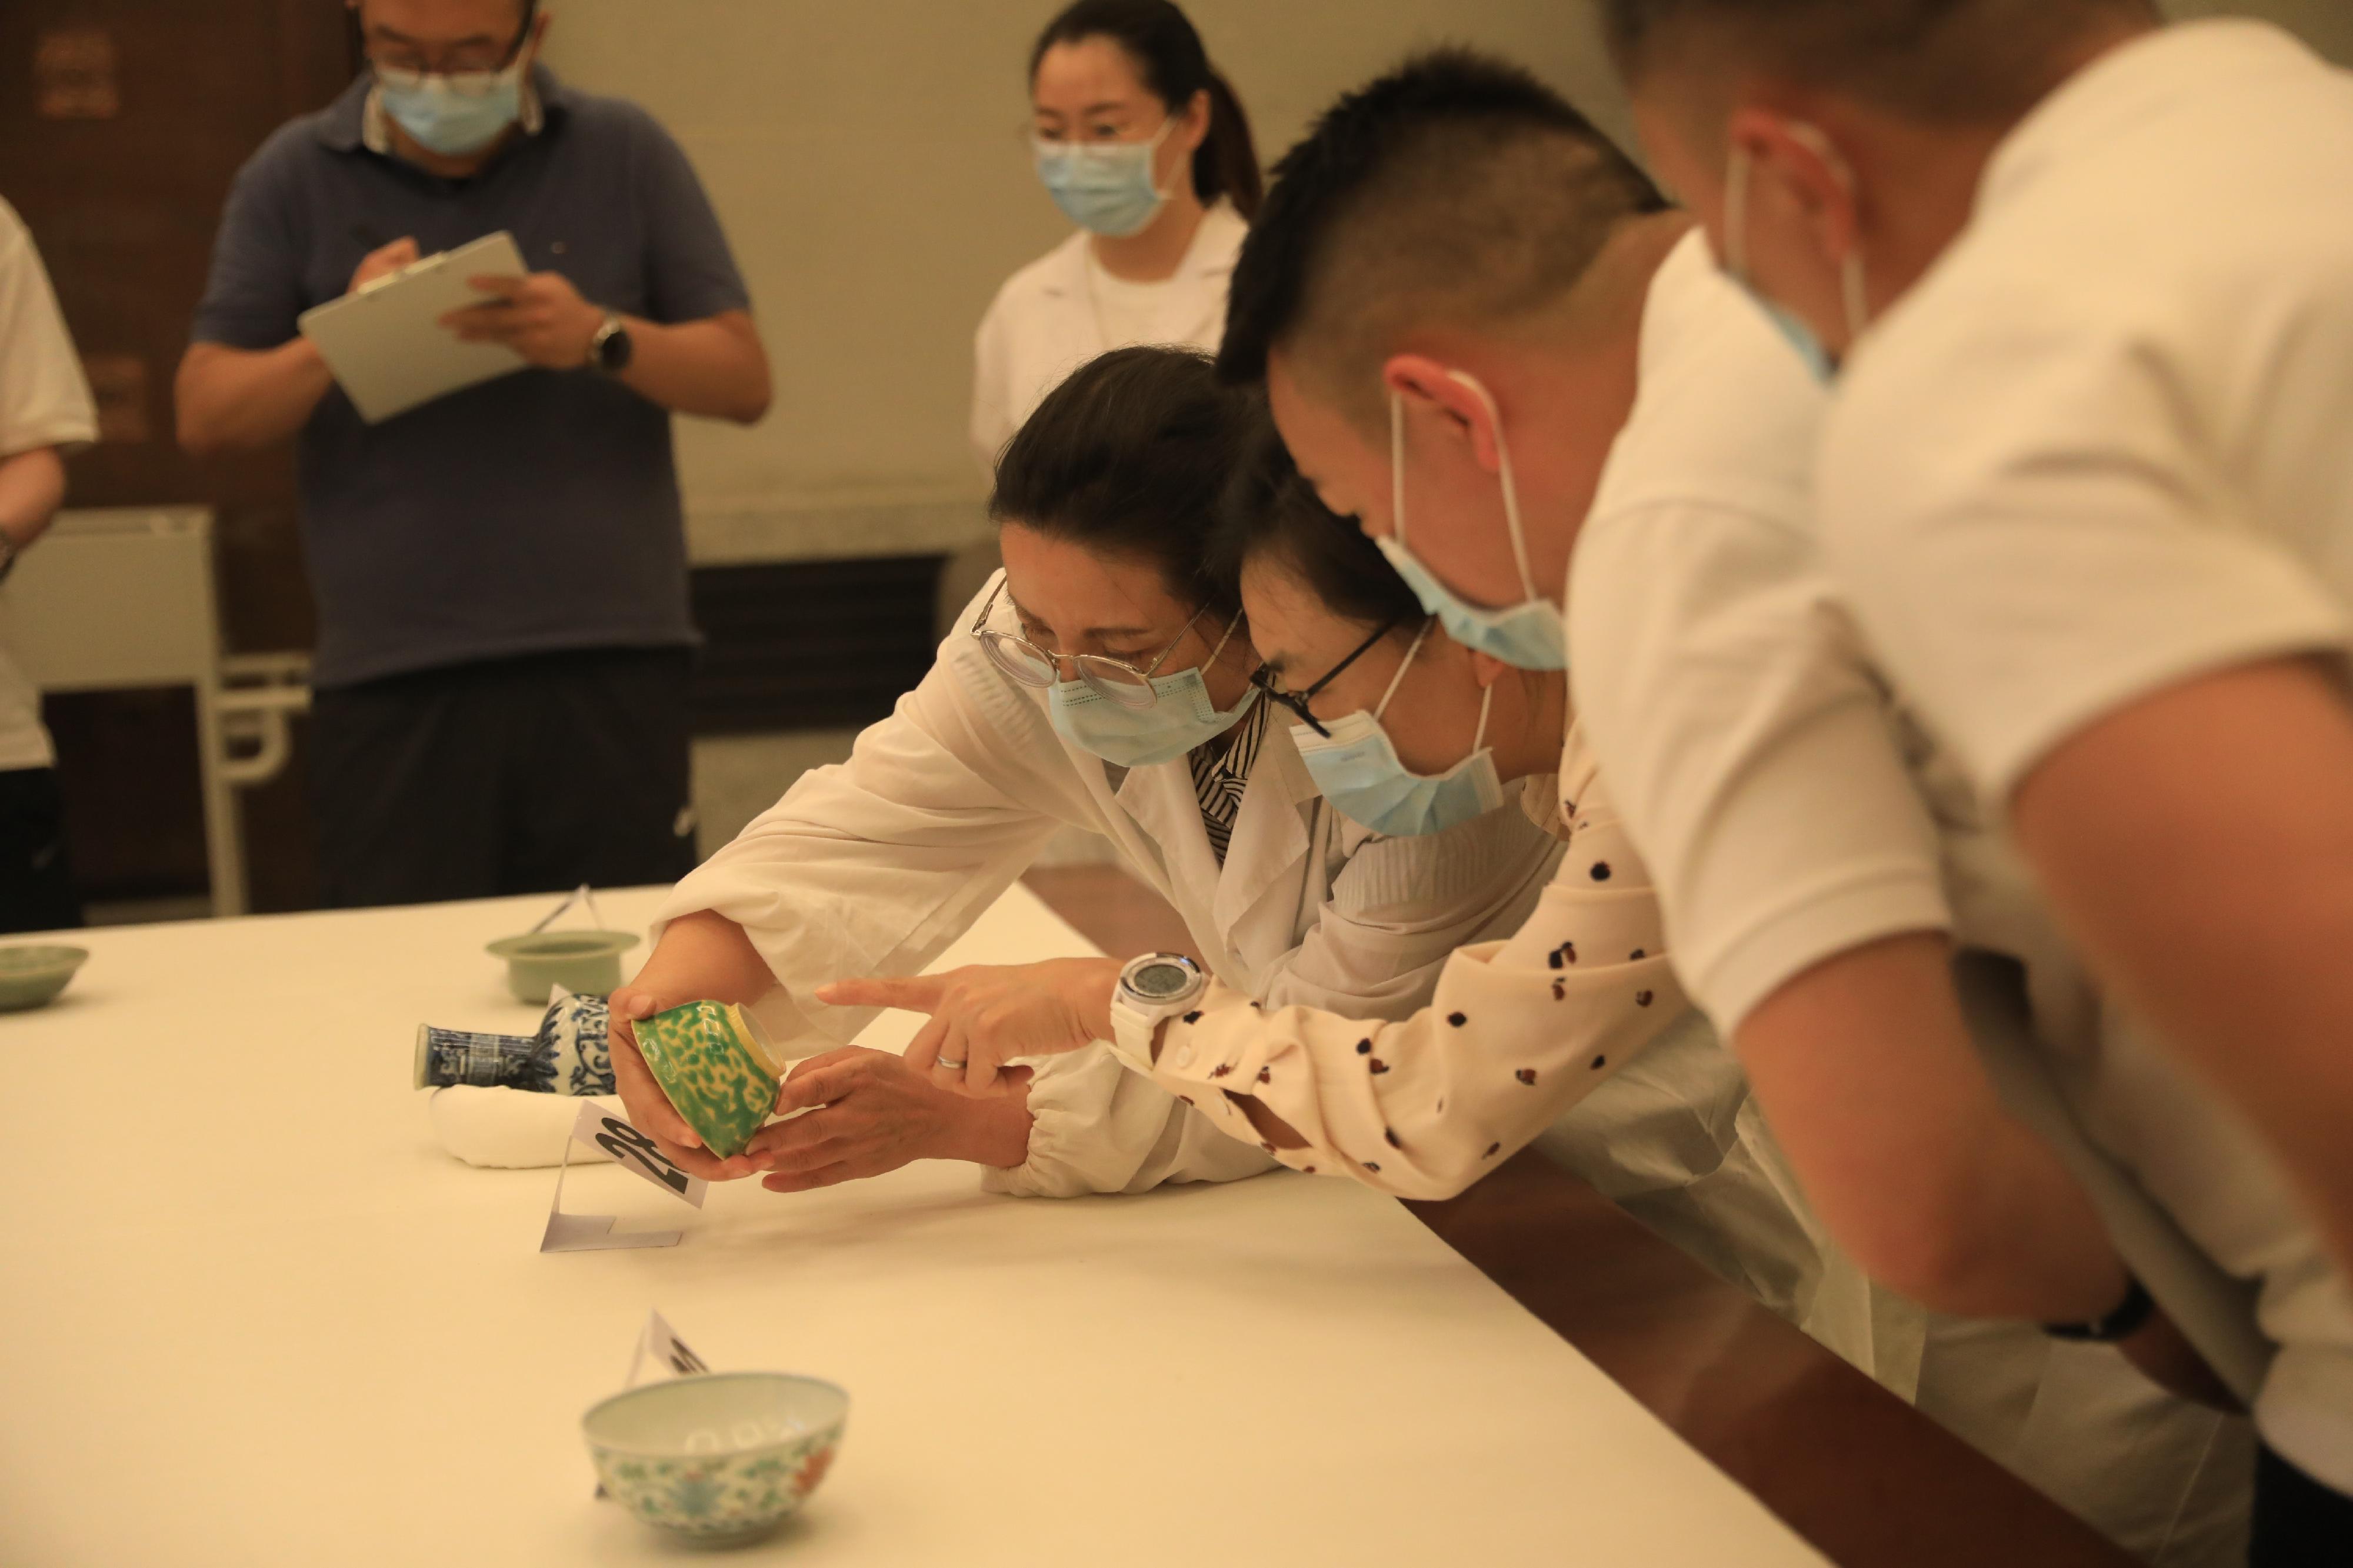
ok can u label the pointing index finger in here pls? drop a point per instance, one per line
(915, 993)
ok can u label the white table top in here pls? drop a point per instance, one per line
(254, 1316)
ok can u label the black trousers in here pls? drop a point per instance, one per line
(37, 890)
(517, 775)
(2299, 1522)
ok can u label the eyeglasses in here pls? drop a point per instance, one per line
(466, 80)
(1113, 680)
(468, 72)
(1297, 701)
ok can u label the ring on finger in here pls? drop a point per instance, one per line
(952, 1066)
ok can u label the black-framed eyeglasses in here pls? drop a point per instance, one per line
(463, 73)
(1297, 701)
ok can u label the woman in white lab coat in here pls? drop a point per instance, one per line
(1572, 1032)
(1144, 147)
(1102, 681)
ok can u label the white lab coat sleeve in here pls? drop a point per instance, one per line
(875, 866)
(1516, 1032)
(992, 397)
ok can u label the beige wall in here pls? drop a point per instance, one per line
(866, 161)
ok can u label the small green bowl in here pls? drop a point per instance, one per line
(32, 977)
(584, 963)
(718, 1067)
(719, 1459)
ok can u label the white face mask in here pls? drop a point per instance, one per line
(1357, 768)
(1529, 634)
(1852, 279)
(1106, 187)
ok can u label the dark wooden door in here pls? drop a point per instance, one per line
(122, 123)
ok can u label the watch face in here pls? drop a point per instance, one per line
(1160, 982)
(613, 354)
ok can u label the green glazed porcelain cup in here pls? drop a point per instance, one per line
(584, 963)
(32, 977)
(719, 1458)
(716, 1065)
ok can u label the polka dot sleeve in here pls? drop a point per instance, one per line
(1517, 1031)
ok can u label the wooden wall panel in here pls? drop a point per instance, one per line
(138, 115)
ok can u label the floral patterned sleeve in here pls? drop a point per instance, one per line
(1518, 1032)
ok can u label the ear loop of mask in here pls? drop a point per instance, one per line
(1232, 627)
(1503, 463)
(1853, 290)
(1486, 695)
(1167, 126)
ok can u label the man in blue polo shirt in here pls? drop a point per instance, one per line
(500, 574)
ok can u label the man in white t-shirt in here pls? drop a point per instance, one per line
(1509, 372)
(2088, 487)
(45, 413)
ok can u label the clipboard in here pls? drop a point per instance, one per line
(385, 345)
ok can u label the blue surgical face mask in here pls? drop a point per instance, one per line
(1106, 187)
(1181, 717)
(1355, 767)
(1803, 338)
(453, 115)
(1528, 635)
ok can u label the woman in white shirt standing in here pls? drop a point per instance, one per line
(1144, 147)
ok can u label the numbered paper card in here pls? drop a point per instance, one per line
(659, 1344)
(634, 1153)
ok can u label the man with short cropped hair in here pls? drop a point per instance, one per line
(504, 636)
(2088, 487)
(1462, 400)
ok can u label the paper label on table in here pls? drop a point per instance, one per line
(660, 1344)
(633, 1152)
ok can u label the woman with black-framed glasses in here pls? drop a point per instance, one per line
(1102, 681)
(1572, 1032)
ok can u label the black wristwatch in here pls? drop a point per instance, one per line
(608, 351)
(2130, 1317)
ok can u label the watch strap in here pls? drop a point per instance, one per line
(600, 350)
(1136, 1019)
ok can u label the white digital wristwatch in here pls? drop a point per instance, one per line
(1152, 990)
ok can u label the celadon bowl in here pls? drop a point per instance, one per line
(718, 1458)
(584, 963)
(32, 977)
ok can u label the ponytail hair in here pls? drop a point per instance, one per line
(1168, 56)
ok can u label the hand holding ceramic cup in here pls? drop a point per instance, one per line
(648, 1104)
(716, 1067)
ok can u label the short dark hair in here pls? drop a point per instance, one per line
(1456, 187)
(1128, 458)
(1168, 54)
(1951, 60)
(1270, 511)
